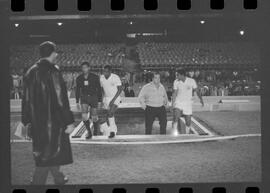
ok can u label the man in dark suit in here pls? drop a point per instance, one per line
(46, 113)
(88, 92)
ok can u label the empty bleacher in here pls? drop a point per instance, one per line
(179, 54)
(150, 55)
(70, 55)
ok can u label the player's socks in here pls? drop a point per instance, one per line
(188, 130)
(96, 128)
(113, 127)
(87, 126)
(175, 129)
(104, 129)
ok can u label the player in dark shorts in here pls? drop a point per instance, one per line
(88, 92)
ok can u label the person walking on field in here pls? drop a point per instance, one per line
(112, 88)
(153, 99)
(88, 92)
(182, 100)
(46, 113)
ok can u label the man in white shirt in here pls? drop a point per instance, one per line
(112, 88)
(153, 99)
(182, 99)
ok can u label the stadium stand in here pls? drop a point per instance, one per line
(201, 59)
(70, 55)
(150, 54)
(177, 54)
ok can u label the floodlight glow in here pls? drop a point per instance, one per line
(202, 21)
(242, 32)
(16, 25)
(59, 23)
(175, 133)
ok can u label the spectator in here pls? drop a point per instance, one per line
(129, 92)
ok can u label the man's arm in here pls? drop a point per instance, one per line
(199, 95)
(142, 98)
(77, 90)
(62, 99)
(119, 90)
(174, 97)
(165, 97)
(196, 89)
(99, 90)
(174, 93)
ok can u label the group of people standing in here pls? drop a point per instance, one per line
(154, 100)
(47, 116)
(93, 92)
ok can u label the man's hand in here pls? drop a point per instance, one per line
(143, 106)
(111, 103)
(69, 129)
(165, 103)
(78, 106)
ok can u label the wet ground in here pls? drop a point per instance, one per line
(237, 160)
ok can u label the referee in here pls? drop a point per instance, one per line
(88, 92)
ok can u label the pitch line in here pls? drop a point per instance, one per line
(203, 139)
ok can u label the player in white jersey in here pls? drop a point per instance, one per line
(184, 87)
(112, 88)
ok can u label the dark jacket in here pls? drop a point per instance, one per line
(93, 88)
(46, 106)
(129, 93)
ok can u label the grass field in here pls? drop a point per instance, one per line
(232, 123)
(236, 160)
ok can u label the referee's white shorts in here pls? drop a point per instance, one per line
(186, 108)
(107, 100)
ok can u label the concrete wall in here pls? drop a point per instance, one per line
(211, 104)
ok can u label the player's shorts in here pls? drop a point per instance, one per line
(90, 100)
(186, 108)
(107, 100)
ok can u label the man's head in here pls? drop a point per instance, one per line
(181, 74)
(85, 66)
(156, 78)
(107, 70)
(47, 51)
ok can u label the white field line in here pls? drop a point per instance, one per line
(201, 139)
(202, 127)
